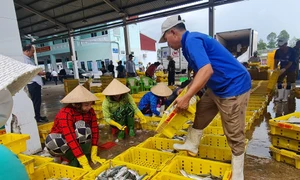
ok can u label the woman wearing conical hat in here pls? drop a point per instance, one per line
(152, 101)
(119, 108)
(74, 135)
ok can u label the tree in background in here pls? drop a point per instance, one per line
(283, 34)
(272, 40)
(293, 41)
(261, 45)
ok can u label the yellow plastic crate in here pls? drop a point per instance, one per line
(211, 147)
(149, 126)
(273, 79)
(169, 126)
(139, 169)
(2, 131)
(198, 166)
(95, 89)
(139, 95)
(168, 176)
(122, 80)
(54, 170)
(28, 162)
(44, 130)
(285, 156)
(218, 122)
(254, 114)
(285, 143)
(145, 157)
(172, 122)
(153, 118)
(39, 160)
(178, 133)
(15, 142)
(285, 129)
(157, 143)
(213, 130)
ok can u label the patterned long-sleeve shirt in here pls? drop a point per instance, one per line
(64, 124)
(109, 106)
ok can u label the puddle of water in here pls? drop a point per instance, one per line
(258, 135)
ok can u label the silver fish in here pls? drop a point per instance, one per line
(183, 173)
(192, 176)
(121, 173)
(142, 177)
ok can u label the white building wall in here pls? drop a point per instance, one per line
(10, 45)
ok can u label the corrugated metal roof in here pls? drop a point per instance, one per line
(71, 13)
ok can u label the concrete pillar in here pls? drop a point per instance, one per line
(53, 62)
(73, 56)
(126, 37)
(46, 65)
(64, 63)
(211, 18)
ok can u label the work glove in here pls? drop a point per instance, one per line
(94, 156)
(117, 125)
(83, 161)
(282, 71)
(143, 119)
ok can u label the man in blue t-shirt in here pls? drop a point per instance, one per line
(228, 83)
(287, 58)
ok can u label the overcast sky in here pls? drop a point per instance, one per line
(264, 16)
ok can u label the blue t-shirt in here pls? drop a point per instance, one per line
(285, 58)
(10, 166)
(230, 77)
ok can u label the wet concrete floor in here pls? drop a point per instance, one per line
(258, 162)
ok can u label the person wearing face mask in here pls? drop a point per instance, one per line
(119, 108)
(74, 135)
(14, 76)
(286, 56)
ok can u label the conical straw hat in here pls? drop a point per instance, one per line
(161, 89)
(115, 88)
(14, 75)
(79, 95)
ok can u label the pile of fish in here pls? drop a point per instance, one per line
(197, 177)
(120, 173)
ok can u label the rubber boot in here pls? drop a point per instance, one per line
(130, 123)
(286, 95)
(280, 95)
(191, 143)
(121, 135)
(237, 164)
(131, 132)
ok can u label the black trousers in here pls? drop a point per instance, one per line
(131, 75)
(55, 79)
(35, 91)
(171, 78)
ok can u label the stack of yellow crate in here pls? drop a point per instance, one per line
(98, 108)
(161, 77)
(285, 137)
(105, 80)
